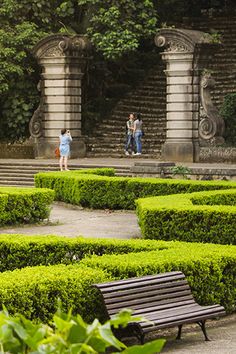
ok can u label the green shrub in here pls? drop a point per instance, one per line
(68, 334)
(19, 251)
(24, 205)
(34, 291)
(210, 269)
(228, 112)
(196, 217)
(90, 190)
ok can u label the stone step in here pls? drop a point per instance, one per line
(22, 174)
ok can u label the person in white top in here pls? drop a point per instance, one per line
(130, 135)
(138, 134)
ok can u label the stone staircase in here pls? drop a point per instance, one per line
(223, 63)
(21, 174)
(149, 98)
(108, 139)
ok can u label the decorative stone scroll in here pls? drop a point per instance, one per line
(63, 59)
(186, 52)
(211, 125)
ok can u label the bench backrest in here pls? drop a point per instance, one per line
(159, 292)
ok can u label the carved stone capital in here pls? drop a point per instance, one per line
(179, 40)
(62, 46)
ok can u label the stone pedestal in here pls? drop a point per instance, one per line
(62, 60)
(183, 63)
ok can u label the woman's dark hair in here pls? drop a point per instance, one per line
(138, 116)
(63, 131)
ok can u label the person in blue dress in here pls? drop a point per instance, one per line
(65, 141)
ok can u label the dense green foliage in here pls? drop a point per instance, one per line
(210, 269)
(102, 192)
(33, 291)
(121, 31)
(24, 205)
(228, 112)
(19, 251)
(196, 217)
(68, 334)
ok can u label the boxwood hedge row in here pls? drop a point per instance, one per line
(210, 269)
(101, 191)
(196, 217)
(34, 291)
(24, 205)
(19, 251)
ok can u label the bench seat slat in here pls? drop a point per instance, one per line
(150, 288)
(184, 314)
(148, 294)
(165, 305)
(141, 306)
(181, 320)
(119, 285)
(148, 278)
(145, 300)
(152, 315)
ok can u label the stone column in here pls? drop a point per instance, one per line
(182, 57)
(62, 60)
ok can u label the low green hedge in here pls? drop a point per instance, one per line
(34, 291)
(195, 217)
(24, 205)
(210, 269)
(96, 191)
(19, 251)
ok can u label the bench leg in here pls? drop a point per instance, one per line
(139, 334)
(179, 332)
(203, 328)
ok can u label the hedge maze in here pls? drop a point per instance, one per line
(37, 270)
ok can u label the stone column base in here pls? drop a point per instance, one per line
(45, 148)
(179, 152)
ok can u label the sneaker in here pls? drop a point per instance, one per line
(138, 153)
(133, 153)
(127, 153)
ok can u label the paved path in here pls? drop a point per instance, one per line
(222, 334)
(72, 221)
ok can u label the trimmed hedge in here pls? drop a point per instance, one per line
(195, 217)
(34, 291)
(210, 269)
(24, 205)
(91, 190)
(19, 251)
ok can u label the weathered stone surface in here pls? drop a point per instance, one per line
(63, 59)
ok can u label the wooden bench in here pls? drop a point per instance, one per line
(164, 299)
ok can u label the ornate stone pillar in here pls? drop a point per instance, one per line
(62, 59)
(185, 58)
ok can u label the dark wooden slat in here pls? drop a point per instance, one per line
(166, 305)
(144, 307)
(132, 303)
(184, 315)
(164, 313)
(150, 296)
(187, 309)
(106, 287)
(145, 288)
(183, 321)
